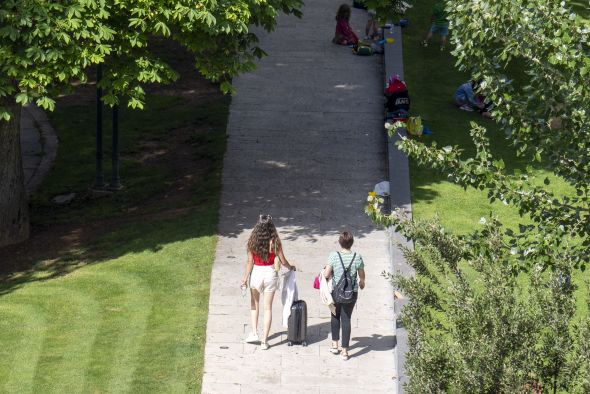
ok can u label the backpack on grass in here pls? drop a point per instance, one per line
(362, 50)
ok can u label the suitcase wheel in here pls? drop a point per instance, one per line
(289, 343)
(304, 343)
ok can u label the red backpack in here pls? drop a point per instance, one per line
(398, 99)
(395, 85)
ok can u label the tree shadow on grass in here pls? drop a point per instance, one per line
(131, 238)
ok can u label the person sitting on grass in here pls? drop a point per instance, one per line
(344, 34)
(372, 32)
(467, 100)
(440, 25)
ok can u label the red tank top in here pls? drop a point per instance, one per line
(258, 260)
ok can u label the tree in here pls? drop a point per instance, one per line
(474, 327)
(47, 45)
(43, 46)
(534, 65)
(474, 298)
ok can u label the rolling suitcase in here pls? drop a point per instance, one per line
(297, 324)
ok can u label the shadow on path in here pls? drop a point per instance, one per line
(375, 342)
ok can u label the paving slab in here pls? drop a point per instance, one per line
(305, 145)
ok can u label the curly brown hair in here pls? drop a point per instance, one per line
(261, 237)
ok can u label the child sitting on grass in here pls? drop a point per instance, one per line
(467, 100)
(344, 34)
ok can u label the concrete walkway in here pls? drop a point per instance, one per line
(38, 146)
(305, 144)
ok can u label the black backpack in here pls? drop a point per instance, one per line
(344, 291)
(396, 101)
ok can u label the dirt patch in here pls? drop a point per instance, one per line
(51, 245)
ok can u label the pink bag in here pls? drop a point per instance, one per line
(316, 282)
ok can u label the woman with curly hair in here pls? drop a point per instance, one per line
(263, 245)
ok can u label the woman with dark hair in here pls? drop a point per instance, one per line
(344, 34)
(263, 246)
(338, 262)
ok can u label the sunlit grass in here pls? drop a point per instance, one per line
(126, 311)
(432, 80)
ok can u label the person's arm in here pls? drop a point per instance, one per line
(361, 274)
(284, 261)
(328, 270)
(249, 266)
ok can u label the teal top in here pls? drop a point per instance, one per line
(337, 270)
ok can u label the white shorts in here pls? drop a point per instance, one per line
(264, 278)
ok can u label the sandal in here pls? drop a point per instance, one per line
(344, 356)
(334, 350)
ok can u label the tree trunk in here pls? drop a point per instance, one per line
(14, 209)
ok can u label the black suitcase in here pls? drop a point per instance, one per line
(297, 324)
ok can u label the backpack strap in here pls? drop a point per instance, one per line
(349, 265)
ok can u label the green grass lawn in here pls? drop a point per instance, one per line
(432, 80)
(125, 310)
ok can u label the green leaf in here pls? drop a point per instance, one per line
(226, 87)
(22, 98)
(46, 103)
(161, 27)
(499, 164)
(210, 19)
(4, 114)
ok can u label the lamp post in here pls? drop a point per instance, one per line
(99, 181)
(115, 178)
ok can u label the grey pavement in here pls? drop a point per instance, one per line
(38, 146)
(305, 145)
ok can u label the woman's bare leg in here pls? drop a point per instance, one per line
(254, 309)
(268, 298)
